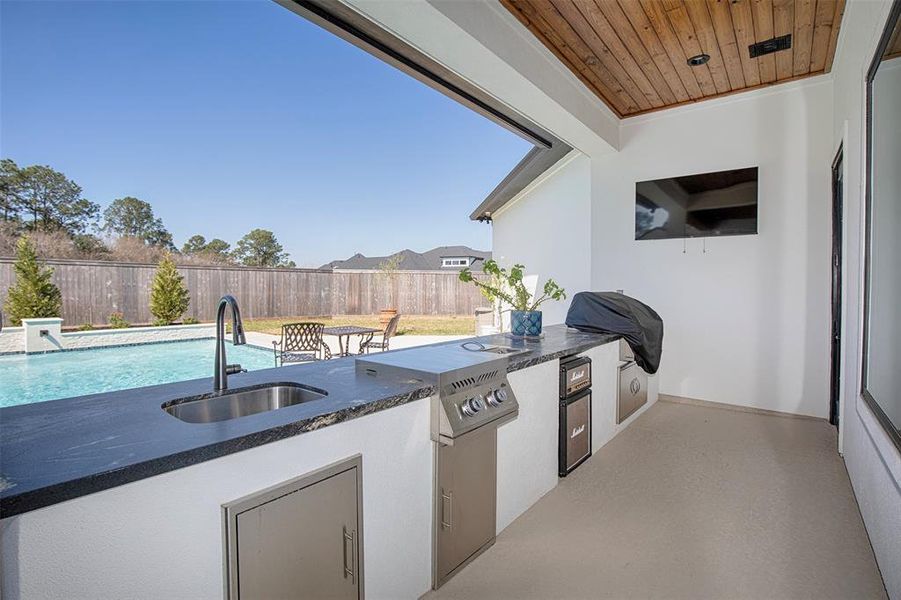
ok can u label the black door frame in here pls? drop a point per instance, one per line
(835, 375)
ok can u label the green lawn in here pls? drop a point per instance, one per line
(409, 324)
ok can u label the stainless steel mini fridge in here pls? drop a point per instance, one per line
(575, 414)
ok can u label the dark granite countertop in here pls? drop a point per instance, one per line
(62, 449)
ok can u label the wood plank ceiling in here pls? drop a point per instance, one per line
(633, 54)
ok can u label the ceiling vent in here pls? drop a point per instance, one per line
(783, 42)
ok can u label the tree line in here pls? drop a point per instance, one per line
(45, 204)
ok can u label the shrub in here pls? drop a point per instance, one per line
(190, 321)
(117, 321)
(89, 246)
(169, 298)
(9, 235)
(85, 327)
(33, 295)
(53, 244)
(131, 249)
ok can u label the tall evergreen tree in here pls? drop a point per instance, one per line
(218, 249)
(195, 245)
(10, 190)
(132, 217)
(260, 248)
(169, 297)
(33, 295)
(53, 201)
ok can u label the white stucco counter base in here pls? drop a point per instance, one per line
(161, 537)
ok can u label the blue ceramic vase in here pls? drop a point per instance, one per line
(525, 322)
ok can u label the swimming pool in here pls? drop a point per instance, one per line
(25, 379)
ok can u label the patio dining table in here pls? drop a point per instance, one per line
(343, 333)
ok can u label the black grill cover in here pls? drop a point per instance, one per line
(610, 312)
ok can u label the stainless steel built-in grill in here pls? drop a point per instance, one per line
(472, 384)
(474, 398)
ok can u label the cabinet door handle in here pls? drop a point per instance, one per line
(447, 509)
(349, 571)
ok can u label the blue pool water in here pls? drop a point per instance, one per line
(34, 378)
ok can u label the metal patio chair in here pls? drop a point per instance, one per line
(301, 342)
(390, 330)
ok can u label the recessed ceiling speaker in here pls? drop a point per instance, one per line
(783, 42)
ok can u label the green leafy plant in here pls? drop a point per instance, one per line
(507, 286)
(117, 321)
(85, 327)
(34, 295)
(190, 321)
(169, 297)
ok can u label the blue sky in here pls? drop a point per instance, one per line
(227, 116)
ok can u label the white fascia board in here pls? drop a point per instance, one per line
(426, 28)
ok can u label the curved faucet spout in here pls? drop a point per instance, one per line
(222, 369)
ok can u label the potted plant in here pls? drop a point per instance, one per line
(388, 270)
(525, 318)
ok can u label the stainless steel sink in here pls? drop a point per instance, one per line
(241, 402)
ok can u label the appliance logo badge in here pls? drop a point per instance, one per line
(575, 376)
(635, 386)
(576, 431)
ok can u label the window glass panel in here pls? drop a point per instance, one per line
(882, 386)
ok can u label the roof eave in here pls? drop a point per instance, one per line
(533, 164)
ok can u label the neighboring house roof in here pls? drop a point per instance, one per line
(432, 260)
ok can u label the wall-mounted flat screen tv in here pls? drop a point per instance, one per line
(705, 205)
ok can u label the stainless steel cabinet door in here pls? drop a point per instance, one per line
(633, 391)
(466, 498)
(304, 544)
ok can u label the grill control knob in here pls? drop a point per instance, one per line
(473, 405)
(496, 397)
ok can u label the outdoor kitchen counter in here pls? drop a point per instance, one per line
(63, 449)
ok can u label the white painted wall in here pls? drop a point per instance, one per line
(874, 464)
(547, 228)
(162, 537)
(747, 321)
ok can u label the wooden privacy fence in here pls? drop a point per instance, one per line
(92, 290)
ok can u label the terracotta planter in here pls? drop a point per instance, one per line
(385, 315)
